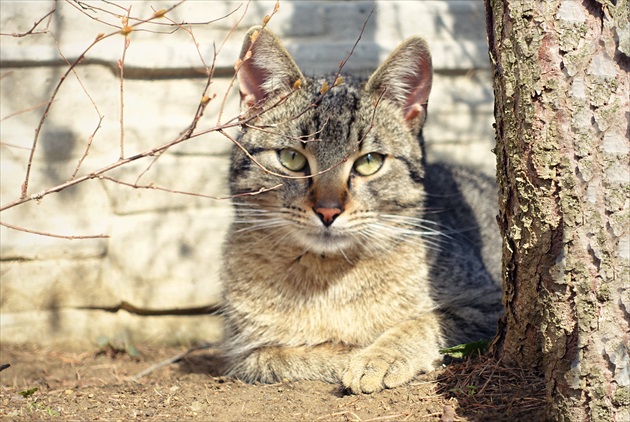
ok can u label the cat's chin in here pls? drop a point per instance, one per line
(326, 243)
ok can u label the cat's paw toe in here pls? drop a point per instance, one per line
(372, 372)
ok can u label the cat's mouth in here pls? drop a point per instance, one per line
(325, 241)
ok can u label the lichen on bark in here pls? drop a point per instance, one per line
(561, 101)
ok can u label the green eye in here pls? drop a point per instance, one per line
(369, 164)
(292, 159)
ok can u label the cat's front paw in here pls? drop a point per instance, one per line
(376, 368)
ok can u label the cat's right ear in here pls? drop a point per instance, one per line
(405, 79)
(264, 68)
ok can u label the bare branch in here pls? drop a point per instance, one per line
(100, 37)
(170, 361)
(87, 148)
(284, 176)
(98, 112)
(342, 64)
(59, 236)
(26, 110)
(190, 132)
(83, 8)
(36, 24)
(239, 64)
(179, 192)
(121, 66)
(97, 173)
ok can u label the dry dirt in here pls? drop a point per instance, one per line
(97, 385)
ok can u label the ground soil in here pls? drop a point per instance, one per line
(48, 384)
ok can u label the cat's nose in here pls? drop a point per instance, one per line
(327, 215)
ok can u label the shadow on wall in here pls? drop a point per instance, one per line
(325, 32)
(58, 143)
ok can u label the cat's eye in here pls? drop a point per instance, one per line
(369, 164)
(292, 159)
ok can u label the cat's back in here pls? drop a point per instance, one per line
(465, 257)
(465, 202)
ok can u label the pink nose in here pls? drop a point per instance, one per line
(327, 215)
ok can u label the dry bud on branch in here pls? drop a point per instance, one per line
(253, 37)
(126, 30)
(160, 13)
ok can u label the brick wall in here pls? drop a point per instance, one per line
(163, 250)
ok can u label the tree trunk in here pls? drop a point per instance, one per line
(562, 122)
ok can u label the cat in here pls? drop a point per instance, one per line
(350, 260)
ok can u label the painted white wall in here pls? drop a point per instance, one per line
(163, 250)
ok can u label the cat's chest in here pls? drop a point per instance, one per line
(314, 300)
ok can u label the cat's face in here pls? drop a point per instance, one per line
(349, 168)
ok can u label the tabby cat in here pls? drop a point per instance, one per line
(357, 261)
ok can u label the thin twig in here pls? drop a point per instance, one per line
(26, 110)
(83, 8)
(179, 192)
(36, 24)
(240, 63)
(98, 112)
(59, 236)
(5, 144)
(342, 413)
(99, 38)
(147, 168)
(309, 176)
(121, 67)
(169, 361)
(342, 64)
(87, 148)
(302, 138)
(97, 173)
(205, 99)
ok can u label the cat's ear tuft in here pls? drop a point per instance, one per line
(264, 68)
(405, 79)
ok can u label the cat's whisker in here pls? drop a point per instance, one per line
(378, 240)
(443, 230)
(253, 225)
(409, 218)
(418, 222)
(406, 231)
(345, 256)
(391, 235)
(280, 240)
(374, 242)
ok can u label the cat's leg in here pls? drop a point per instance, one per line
(324, 362)
(397, 356)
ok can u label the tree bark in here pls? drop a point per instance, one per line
(562, 125)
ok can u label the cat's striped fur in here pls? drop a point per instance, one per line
(366, 260)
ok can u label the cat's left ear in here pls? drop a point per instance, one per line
(405, 79)
(265, 68)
